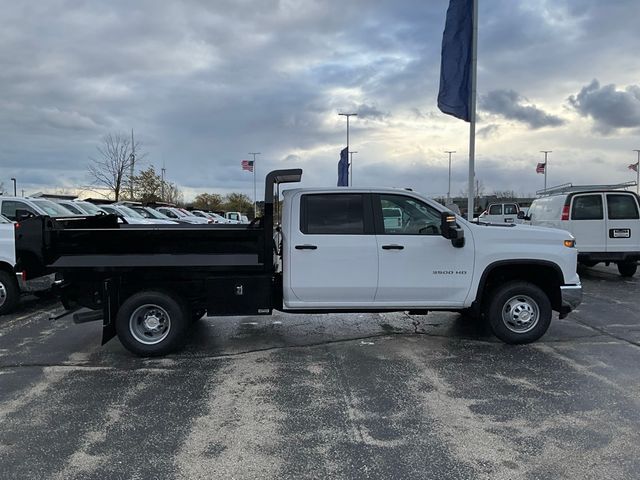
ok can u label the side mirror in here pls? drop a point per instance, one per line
(521, 215)
(450, 230)
(22, 214)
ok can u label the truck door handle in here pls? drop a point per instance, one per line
(306, 247)
(392, 247)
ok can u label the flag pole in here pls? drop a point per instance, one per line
(638, 173)
(546, 152)
(255, 210)
(472, 116)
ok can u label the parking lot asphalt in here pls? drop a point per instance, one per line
(328, 396)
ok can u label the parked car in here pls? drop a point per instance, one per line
(151, 214)
(132, 218)
(15, 208)
(233, 217)
(207, 215)
(605, 222)
(133, 213)
(177, 214)
(392, 218)
(501, 213)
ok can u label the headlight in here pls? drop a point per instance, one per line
(570, 243)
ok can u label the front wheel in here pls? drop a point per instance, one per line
(519, 312)
(627, 269)
(152, 323)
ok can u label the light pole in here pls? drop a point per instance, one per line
(132, 159)
(15, 191)
(546, 152)
(449, 190)
(162, 172)
(348, 115)
(350, 168)
(638, 173)
(255, 210)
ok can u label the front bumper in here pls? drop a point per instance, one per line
(571, 297)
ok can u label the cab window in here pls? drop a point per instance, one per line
(495, 210)
(332, 214)
(9, 208)
(408, 216)
(510, 209)
(622, 207)
(587, 207)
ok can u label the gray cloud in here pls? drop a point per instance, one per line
(203, 82)
(368, 111)
(608, 107)
(512, 106)
(488, 131)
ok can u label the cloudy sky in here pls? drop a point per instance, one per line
(203, 82)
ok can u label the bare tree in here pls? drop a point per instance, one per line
(111, 168)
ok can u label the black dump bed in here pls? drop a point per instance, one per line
(101, 242)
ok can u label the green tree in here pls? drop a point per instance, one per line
(148, 185)
(209, 202)
(238, 202)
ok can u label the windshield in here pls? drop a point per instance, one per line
(157, 214)
(129, 212)
(177, 211)
(53, 209)
(90, 208)
(71, 206)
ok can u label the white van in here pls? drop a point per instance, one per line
(501, 213)
(392, 218)
(606, 224)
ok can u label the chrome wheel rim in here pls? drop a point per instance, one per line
(149, 324)
(520, 314)
(3, 294)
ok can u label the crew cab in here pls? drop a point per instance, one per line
(605, 222)
(335, 253)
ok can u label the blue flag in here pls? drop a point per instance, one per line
(454, 97)
(343, 168)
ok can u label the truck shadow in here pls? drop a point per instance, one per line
(221, 336)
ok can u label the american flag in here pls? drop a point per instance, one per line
(247, 165)
(540, 167)
(634, 167)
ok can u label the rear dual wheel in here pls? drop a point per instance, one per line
(518, 312)
(152, 323)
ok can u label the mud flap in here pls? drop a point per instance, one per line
(110, 306)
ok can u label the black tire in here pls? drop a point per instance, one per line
(627, 269)
(170, 314)
(9, 292)
(515, 298)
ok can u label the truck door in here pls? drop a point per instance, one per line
(332, 253)
(494, 214)
(623, 223)
(417, 266)
(587, 222)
